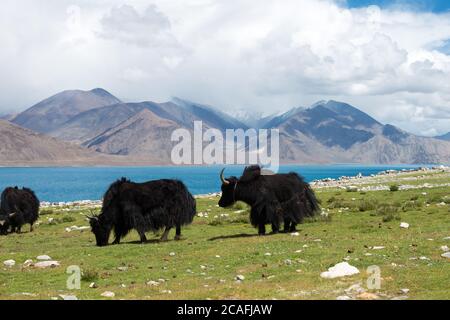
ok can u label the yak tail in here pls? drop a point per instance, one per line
(311, 197)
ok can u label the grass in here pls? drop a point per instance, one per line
(222, 245)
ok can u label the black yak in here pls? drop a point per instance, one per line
(273, 198)
(18, 207)
(149, 206)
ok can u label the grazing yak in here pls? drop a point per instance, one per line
(273, 198)
(18, 207)
(149, 206)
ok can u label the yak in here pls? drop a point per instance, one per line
(18, 207)
(273, 198)
(149, 206)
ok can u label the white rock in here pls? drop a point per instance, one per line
(93, 285)
(9, 263)
(404, 291)
(153, 283)
(343, 298)
(446, 238)
(268, 254)
(295, 234)
(288, 262)
(404, 225)
(340, 270)
(377, 248)
(43, 257)
(68, 297)
(28, 263)
(108, 294)
(46, 264)
(424, 258)
(240, 277)
(445, 248)
(446, 255)
(172, 254)
(122, 268)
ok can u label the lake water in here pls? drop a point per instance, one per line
(90, 183)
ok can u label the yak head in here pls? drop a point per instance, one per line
(100, 229)
(228, 190)
(5, 223)
(230, 185)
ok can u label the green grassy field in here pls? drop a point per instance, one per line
(221, 245)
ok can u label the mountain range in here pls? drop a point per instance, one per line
(96, 127)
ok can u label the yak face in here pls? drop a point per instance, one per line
(100, 230)
(4, 224)
(228, 192)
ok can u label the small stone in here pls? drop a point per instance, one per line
(404, 225)
(217, 256)
(28, 263)
(267, 254)
(368, 296)
(43, 257)
(404, 291)
(172, 254)
(108, 294)
(46, 264)
(203, 267)
(93, 285)
(299, 251)
(68, 297)
(343, 298)
(153, 283)
(377, 248)
(446, 255)
(122, 268)
(288, 262)
(424, 258)
(9, 263)
(166, 291)
(295, 234)
(445, 248)
(161, 280)
(298, 271)
(240, 277)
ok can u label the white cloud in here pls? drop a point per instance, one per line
(266, 55)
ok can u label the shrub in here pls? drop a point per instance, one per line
(89, 275)
(367, 205)
(44, 212)
(388, 212)
(394, 187)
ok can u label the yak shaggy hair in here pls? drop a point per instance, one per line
(18, 207)
(149, 206)
(273, 198)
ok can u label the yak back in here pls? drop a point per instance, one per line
(155, 204)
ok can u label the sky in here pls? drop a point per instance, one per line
(391, 59)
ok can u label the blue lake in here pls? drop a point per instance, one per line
(90, 183)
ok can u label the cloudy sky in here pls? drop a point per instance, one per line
(389, 58)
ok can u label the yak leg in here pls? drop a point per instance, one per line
(143, 237)
(31, 227)
(165, 234)
(116, 240)
(293, 227)
(275, 228)
(287, 223)
(178, 233)
(262, 229)
(19, 230)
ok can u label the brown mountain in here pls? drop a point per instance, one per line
(23, 146)
(51, 113)
(143, 136)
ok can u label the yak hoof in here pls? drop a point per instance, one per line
(177, 237)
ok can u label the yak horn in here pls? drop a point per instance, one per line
(12, 214)
(224, 181)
